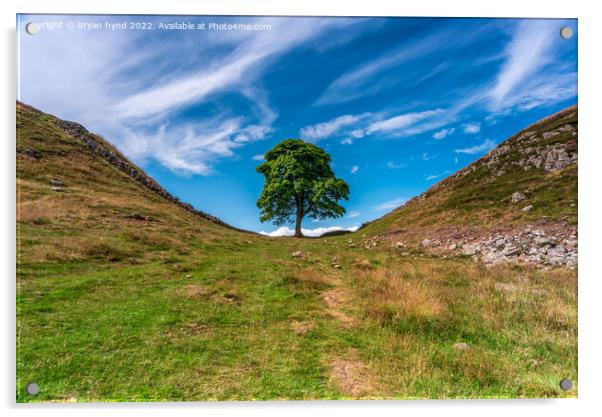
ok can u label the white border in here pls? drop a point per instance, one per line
(590, 210)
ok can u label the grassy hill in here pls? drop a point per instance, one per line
(539, 162)
(126, 294)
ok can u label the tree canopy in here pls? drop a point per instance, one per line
(299, 182)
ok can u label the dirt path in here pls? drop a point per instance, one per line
(352, 376)
(336, 300)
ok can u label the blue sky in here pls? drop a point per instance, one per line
(399, 103)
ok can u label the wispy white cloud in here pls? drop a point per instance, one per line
(528, 52)
(397, 123)
(258, 157)
(391, 204)
(546, 90)
(355, 126)
(485, 146)
(396, 165)
(234, 71)
(354, 169)
(135, 93)
(353, 214)
(319, 231)
(443, 133)
(435, 176)
(471, 128)
(325, 129)
(365, 79)
(187, 149)
(427, 156)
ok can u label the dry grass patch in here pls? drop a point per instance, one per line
(351, 376)
(196, 291)
(474, 364)
(388, 298)
(310, 279)
(301, 327)
(197, 328)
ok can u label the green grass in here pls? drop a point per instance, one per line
(91, 331)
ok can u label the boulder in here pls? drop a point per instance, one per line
(297, 254)
(426, 243)
(527, 208)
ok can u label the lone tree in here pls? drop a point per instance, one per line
(299, 182)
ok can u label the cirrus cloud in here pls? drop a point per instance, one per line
(485, 146)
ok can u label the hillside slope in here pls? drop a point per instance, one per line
(69, 181)
(522, 190)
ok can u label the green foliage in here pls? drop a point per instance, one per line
(299, 182)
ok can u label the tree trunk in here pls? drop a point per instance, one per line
(298, 223)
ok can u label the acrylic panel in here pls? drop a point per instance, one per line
(295, 208)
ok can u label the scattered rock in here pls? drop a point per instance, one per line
(336, 266)
(57, 182)
(57, 189)
(470, 249)
(510, 250)
(453, 246)
(505, 287)
(231, 297)
(136, 216)
(426, 243)
(461, 346)
(516, 197)
(32, 153)
(570, 244)
(297, 254)
(527, 208)
(544, 241)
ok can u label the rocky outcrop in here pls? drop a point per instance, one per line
(100, 148)
(533, 152)
(531, 246)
